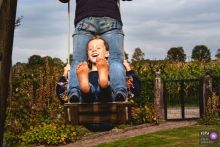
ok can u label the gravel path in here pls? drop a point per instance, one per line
(115, 135)
(190, 112)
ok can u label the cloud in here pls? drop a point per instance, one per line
(153, 26)
(23, 54)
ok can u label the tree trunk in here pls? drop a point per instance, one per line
(7, 24)
(1, 3)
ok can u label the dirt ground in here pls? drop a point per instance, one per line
(116, 134)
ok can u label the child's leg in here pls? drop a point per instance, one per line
(82, 72)
(105, 94)
(102, 66)
(87, 90)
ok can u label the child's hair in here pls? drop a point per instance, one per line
(105, 44)
(99, 37)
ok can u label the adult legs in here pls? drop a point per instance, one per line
(111, 31)
(117, 71)
(80, 40)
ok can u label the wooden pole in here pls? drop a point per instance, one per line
(7, 25)
(68, 32)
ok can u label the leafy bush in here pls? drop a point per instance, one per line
(135, 116)
(147, 94)
(146, 114)
(211, 115)
(33, 103)
(49, 134)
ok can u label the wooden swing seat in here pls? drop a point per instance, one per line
(98, 112)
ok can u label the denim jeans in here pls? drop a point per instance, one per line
(111, 30)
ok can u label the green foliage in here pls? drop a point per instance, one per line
(32, 99)
(190, 92)
(149, 115)
(210, 117)
(201, 53)
(176, 137)
(217, 55)
(18, 21)
(176, 54)
(33, 104)
(70, 59)
(212, 112)
(138, 55)
(126, 55)
(147, 94)
(35, 61)
(49, 134)
(135, 116)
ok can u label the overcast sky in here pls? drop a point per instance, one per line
(152, 25)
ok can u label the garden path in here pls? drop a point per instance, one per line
(117, 134)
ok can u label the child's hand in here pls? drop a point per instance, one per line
(66, 70)
(127, 65)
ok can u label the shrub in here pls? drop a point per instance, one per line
(211, 115)
(49, 134)
(146, 114)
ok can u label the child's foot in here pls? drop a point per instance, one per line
(102, 66)
(82, 72)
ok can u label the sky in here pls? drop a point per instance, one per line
(154, 26)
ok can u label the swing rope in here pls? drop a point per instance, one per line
(68, 61)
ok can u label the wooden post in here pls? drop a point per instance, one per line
(7, 25)
(207, 91)
(158, 94)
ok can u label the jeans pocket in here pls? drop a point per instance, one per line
(112, 24)
(79, 25)
(83, 24)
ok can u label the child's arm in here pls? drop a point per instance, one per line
(62, 83)
(136, 89)
(66, 70)
(127, 65)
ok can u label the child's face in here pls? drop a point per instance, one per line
(96, 48)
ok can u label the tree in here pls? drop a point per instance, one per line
(70, 59)
(176, 54)
(35, 60)
(18, 21)
(58, 62)
(138, 55)
(200, 53)
(48, 59)
(7, 19)
(126, 55)
(217, 55)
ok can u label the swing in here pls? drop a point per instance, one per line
(96, 112)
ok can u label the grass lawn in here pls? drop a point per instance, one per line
(178, 137)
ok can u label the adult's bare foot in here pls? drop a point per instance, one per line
(82, 72)
(102, 66)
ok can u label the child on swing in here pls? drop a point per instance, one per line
(94, 80)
